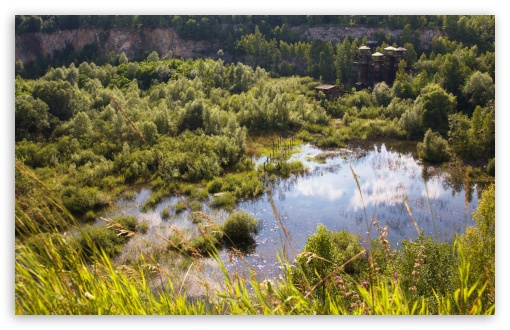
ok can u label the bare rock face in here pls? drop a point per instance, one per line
(33, 46)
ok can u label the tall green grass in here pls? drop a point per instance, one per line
(54, 277)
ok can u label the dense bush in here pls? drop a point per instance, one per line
(327, 251)
(239, 228)
(434, 148)
(80, 200)
(225, 200)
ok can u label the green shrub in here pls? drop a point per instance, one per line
(226, 200)
(89, 216)
(434, 148)
(142, 227)
(179, 207)
(239, 228)
(423, 264)
(80, 200)
(214, 186)
(491, 167)
(334, 141)
(127, 221)
(165, 214)
(304, 135)
(100, 238)
(324, 252)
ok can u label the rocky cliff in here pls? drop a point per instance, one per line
(32, 46)
(337, 34)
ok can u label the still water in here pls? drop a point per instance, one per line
(329, 194)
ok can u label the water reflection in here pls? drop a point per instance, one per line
(329, 194)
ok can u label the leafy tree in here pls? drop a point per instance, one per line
(31, 117)
(82, 125)
(411, 120)
(479, 89)
(437, 105)
(459, 137)
(382, 94)
(402, 86)
(478, 243)
(434, 148)
(153, 57)
(62, 99)
(452, 74)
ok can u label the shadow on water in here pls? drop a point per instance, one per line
(389, 176)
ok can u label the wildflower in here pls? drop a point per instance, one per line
(364, 283)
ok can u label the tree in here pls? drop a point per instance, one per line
(459, 137)
(452, 74)
(31, 117)
(402, 86)
(192, 117)
(479, 89)
(82, 125)
(411, 119)
(437, 105)
(61, 98)
(343, 61)
(153, 56)
(382, 94)
(434, 148)
(123, 58)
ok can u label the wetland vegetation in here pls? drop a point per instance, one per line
(230, 185)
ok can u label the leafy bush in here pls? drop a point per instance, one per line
(479, 243)
(423, 264)
(226, 200)
(376, 128)
(179, 207)
(142, 227)
(127, 221)
(165, 214)
(80, 200)
(434, 148)
(491, 167)
(239, 228)
(95, 237)
(324, 252)
(214, 186)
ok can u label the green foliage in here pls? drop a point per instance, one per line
(142, 227)
(479, 89)
(434, 148)
(100, 238)
(473, 139)
(127, 222)
(327, 253)
(179, 207)
(479, 244)
(423, 264)
(165, 214)
(241, 185)
(63, 100)
(376, 128)
(31, 117)
(79, 200)
(239, 228)
(491, 167)
(382, 94)
(437, 105)
(226, 200)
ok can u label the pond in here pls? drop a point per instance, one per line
(388, 177)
